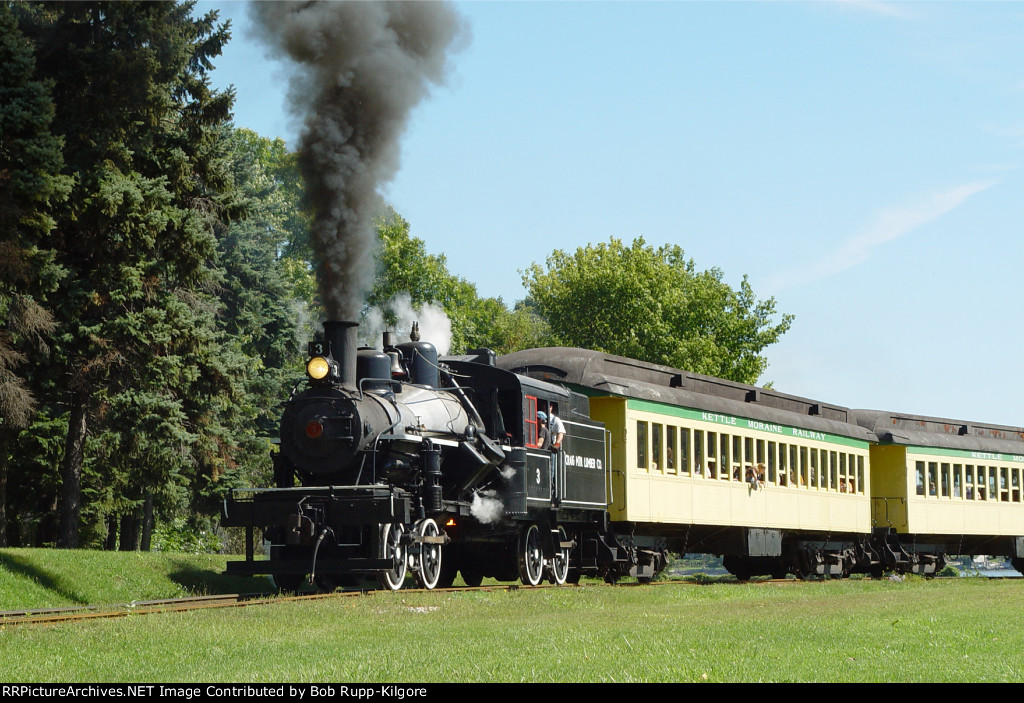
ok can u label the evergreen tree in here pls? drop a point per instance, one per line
(139, 123)
(30, 183)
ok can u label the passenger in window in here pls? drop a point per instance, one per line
(557, 430)
(543, 434)
(749, 476)
(760, 474)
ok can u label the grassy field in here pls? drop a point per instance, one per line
(53, 578)
(859, 630)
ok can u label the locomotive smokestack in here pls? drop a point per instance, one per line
(341, 336)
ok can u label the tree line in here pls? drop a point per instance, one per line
(156, 282)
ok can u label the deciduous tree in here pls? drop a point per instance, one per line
(652, 304)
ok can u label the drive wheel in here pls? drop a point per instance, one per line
(472, 578)
(391, 548)
(531, 559)
(560, 565)
(429, 572)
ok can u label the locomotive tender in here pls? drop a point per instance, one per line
(396, 461)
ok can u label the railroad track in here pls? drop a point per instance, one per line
(45, 616)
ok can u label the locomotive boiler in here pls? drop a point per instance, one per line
(394, 462)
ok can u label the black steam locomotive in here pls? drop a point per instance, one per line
(392, 461)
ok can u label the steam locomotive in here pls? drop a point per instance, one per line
(392, 462)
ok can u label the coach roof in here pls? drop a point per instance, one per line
(621, 376)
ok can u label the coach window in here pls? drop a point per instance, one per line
(794, 466)
(698, 452)
(969, 482)
(944, 480)
(656, 433)
(724, 466)
(641, 444)
(1004, 484)
(1015, 484)
(712, 455)
(783, 465)
(992, 494)
(816, 473)
(737, 457)
(670, 448)
(860, 475)
(958, 480)
(684, 451)
(919, 477)
(773, 456)
(933, 478)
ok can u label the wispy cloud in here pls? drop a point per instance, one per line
(888, 9)
(890, 224)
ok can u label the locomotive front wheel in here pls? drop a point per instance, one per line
(531, 559)
(391, 548)
(560, 564)
(430, 555)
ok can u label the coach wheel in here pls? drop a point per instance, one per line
(807, 567)
(429, 572)
(289, 583)
(531, 559)
(560, 564)
(391, 549)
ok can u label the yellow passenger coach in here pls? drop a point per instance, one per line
(773, 482)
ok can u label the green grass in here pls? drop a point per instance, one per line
(860, 630)
(51, 578)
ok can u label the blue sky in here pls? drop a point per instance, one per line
(859, 161)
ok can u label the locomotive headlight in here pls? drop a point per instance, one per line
(318, 368)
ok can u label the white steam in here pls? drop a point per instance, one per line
(435, 327)
(485, 508)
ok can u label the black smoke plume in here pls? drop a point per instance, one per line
(360, 69)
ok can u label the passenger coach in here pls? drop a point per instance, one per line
(773, 482)
(946, 487)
